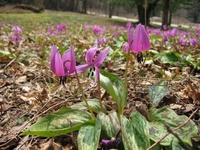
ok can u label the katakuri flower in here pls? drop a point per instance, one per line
(63, 66)
(94, 58)
(140, 42)
(16, 37)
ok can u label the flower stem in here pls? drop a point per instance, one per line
(121, 111)
(84, 98)
(99, 91)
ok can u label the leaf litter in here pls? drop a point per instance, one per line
(28, 89)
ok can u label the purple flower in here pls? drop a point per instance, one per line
(16, 37)
(141, 40)
(101, 40)
(130, 35)
(97, 30)
(173, 32)
(61, 27)
(197, 28)
(193, 42)
(165, 27)
(125, 47)
(94, 59)
(182, 41)
(165, 37)
(110, 144)
(62, 66)
(157, 31)
(17, 30)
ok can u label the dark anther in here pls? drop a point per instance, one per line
(139, 58)
(63, 80)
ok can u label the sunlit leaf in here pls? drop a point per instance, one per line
(60, 122)
(110, 124)
(170, 57)
(114, 86)
(162, 116)
(93, 103)
(157, 92)
(89, 135)
(135, 132)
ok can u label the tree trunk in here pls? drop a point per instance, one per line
(165, 12)
(111, 8)
(141, 12)
(170, 18)
(84, 7)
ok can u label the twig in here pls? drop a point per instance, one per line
(173, 130)
(9, 63)
(183, 145)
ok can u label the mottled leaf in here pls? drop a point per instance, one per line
(159, 117)
(94, 104)
(114, 86)
(157, 92)
(135, 132)
(60, 122)
(89, 135)
(110, 124)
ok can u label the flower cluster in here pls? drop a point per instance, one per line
(58, 29)
(66, 65)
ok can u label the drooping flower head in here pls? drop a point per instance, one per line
(61, 27)
(165, 27)
(193, 42)
(94, 58)
(182, 41)
(138, 42)
(16, 37)
(173, 32)
(165, 37)
(62, 66)
(141, 40)
(98, 30)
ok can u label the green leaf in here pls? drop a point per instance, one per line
(114, 86)
(135, 132)
(60, 122)
(157, 92)
(170, 57)
(89, 135)
(110, 124)
(159, 117)
(94, 104)
(175, 145)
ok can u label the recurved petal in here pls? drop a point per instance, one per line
(69, 61)
(91, 53)
(52, 62)
(59, 65)
(101, 57)
(82, 68)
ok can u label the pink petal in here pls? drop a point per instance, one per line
(141, 40)
(59, 65)
(69, 61)
(101, 57)
(52, 63)
(91, 53)
(82, 68)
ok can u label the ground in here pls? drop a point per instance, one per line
(29, 90)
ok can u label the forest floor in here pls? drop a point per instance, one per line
(29, 90)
